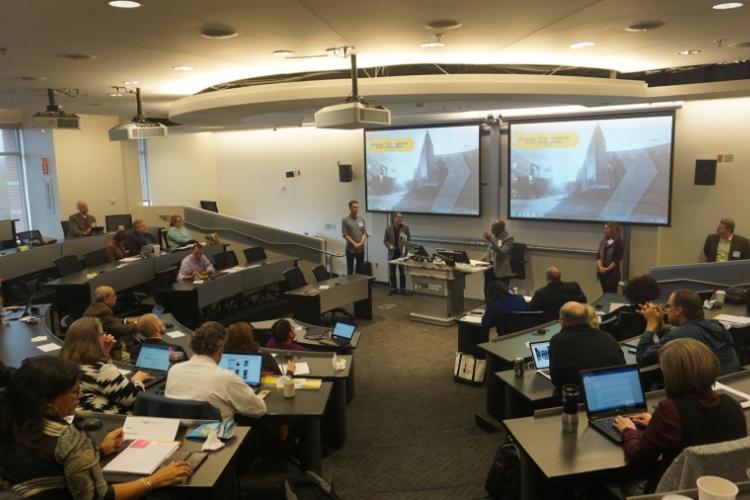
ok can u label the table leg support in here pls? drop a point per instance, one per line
(311, 454)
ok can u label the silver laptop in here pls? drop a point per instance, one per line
(540, 356)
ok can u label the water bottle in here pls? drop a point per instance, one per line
(570, 395)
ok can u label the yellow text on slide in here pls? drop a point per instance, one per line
(538, 140)
(396, 144)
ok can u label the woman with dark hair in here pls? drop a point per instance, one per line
(639, 291)
(282, 337)
(608, 257)
(116, 249)
(498, 301)
(240, 339)
(43, 456)
(103, 388)
(692, 413)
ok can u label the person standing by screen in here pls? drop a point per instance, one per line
(354, 232)
(395, 236)
(609, 256)
(499, 246)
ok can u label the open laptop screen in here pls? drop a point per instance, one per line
(246, 366)
(613, 389)
(153, 357)
(540, 354)
(343, 330)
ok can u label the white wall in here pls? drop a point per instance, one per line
(42, 189)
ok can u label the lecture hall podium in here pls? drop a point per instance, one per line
(438, 288)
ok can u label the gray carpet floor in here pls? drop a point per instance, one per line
(411, 427)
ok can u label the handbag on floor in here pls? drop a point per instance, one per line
(504, 477)
(468, 369)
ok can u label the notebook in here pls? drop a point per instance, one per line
(154, 359)
(611, 392)
(540, 356)
(246, 366)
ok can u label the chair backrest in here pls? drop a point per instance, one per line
(209, 205)
(517, 260)
(254, 254)
(163, 280)
(68, 265)
(113, 222)
(365, 268)
(320, 272)
(151, 405)
(163, 239)
(27, 236)
(516, 321)
(96, 258)
(552, 308)
(729, 460)
(629, 324)
(225, 260)
(66, 228)
(294, 278)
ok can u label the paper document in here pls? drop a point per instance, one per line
(470, 318)
(301, 368)
(130, 259)
(733, 320)
(742, 398)
(175, 334)
(142, 457)
(48, 347)
(197, 282)
(39, 338)
(234, 269)
(324, 287)
(159, 429)
(616, 305)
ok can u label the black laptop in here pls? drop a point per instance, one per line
(611, 392)
(154, 359)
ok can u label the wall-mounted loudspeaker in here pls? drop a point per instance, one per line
(345, 173)
(705, 172)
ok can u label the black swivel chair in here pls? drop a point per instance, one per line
(516, 321)
(68, 265)
(151, 405)
(518, 261)
(162, 238)
(320, 272)
(66, 228)
(254, 254)
(629, 324)
(294, 278)
(113, 222)
(225, 260)
(96, 258)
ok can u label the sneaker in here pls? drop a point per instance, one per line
(405, 292)
(393, 292)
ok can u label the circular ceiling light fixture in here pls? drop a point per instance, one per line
(581, 45)
(689, 52)
(644, 26)
(124, 4)
(443, 25)
(434, 44)
(183, 68)
(218, 32)
(727, 5)
(283, 53)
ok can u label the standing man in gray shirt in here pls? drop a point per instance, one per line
(394, 239)
(354, 232)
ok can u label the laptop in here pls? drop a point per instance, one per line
(157, 310)
(611, 392)
(246, 366)
(540, 356)
(154, 359)
(343, 332)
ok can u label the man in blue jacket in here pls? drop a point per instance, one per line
(685, 314)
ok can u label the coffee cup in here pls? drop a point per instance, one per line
(720, 296)
(716, 488)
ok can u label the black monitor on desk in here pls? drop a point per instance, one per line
(118, 222)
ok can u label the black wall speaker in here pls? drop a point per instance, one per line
(345, 173)
(705, 172)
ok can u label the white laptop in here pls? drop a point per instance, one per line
(540, 356)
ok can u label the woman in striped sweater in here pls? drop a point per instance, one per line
(103, 388)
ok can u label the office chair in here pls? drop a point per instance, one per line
(162, 238)
(320, 272)
(151, 405)
(629, 324)
(515, 321)
(517, 261)
(66, 228)
(254, 254)
(113, 222)
(96, 258)
(294, 278)
(68, 265)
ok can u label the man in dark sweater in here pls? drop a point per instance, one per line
(579, 346)
(105, 299)
(557, 292)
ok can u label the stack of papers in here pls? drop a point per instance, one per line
(153, 428)
(299, 383)
(175, 334)
(470, 318)
(142, 457)
(733, 320)
(742, 398)
(130, 259)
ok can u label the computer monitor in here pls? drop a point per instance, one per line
(457, 256)
(153, 357)
(343, 330)
(246, 366)
(209, 205)
(117, 222)
(7, 234)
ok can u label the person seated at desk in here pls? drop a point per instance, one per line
(724, 245)
(241, 340)
(103, 388)
(691, 414)
(82, 223)
(639, 290)
(151, 331)
(102, 307)
(177, 234)
(202, 379)
(551, 297)
(498, 301)
(43, 456)
(139, 237)
(580, 346)
(116, 246)
(283, 337)
(685, 314)
(195, 265)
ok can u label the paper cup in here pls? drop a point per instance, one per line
(716, 488)
(720, 296)
(157, 250)
(675, 497)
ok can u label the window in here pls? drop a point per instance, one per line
(143, 163)
(12, 202)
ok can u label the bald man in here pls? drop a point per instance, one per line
(555, 293)
(82, 223)
(580, 346)
(102, 307)
(151, 331)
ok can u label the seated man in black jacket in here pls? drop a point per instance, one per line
(151, 331)
(139, 237)
(579, 346)
(557, 292)
(102, 307)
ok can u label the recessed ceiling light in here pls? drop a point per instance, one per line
(727, 5)
(131, 82)
(644, 26)
(124, 4)
(581, 45)
(689, 52)
(443, 25)
(183, 68)
(78, 57)
(283, 53)
(434, 44)
(115, 94)
(218, 32)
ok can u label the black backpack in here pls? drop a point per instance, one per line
(504, 477)
(309, 486)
